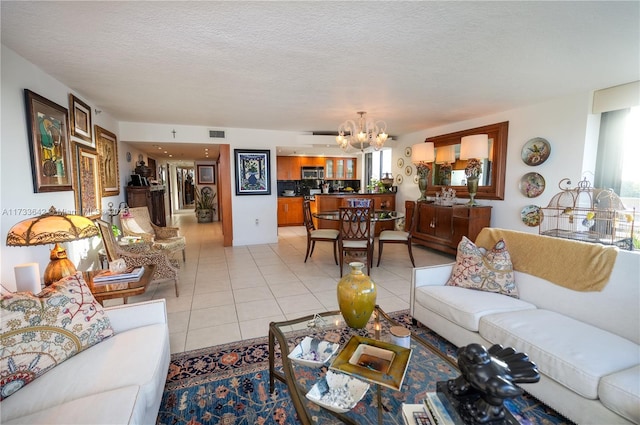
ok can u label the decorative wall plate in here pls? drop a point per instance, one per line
(531, 215)
(408, 170)
(128, 156)
(407, 151)
(416, 178)
(536, 151)
(399, 179)
(532, 185)
(400, 162)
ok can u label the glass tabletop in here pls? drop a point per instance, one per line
(382, 403)
(378, 215)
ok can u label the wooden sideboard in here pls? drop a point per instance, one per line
(151, 197)
(442, 227)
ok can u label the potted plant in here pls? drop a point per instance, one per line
(204, 204)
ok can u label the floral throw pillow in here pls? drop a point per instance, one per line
(38, 332)
(477, 268)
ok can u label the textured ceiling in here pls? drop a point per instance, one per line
(308, 66)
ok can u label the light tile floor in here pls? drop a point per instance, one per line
(232, 293)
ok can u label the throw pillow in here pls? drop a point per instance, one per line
(483, 270)
(41, 331)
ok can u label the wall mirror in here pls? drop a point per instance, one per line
(448, 169)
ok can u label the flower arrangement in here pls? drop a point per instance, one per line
(424, 168)
(473, 168)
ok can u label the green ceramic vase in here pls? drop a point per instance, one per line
(356, 296)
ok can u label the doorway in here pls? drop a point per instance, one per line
(186, 187)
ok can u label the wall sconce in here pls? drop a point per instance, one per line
(423, 155)
(473, 149)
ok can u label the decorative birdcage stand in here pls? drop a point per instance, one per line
(588, 214)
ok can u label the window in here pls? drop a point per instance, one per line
(377, 164)
(618, 154)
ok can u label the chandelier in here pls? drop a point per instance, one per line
(365, 131)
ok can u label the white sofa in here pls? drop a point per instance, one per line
(586, 344)
(118, 381)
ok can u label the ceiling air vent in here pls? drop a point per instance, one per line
(216, 134)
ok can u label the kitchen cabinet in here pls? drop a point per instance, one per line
(329, 172)
(290, 211)
(442, 227)
(151, 197)
(312, 161)
(350, 171)
(339, 168)
(288, 168)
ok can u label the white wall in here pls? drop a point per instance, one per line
(17, 198)
(565, 122)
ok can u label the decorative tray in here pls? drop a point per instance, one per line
(338, 392)
(313, 352)
(375, 361)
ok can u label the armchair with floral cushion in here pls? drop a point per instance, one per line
(137, 222)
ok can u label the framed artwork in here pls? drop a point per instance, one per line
(253, 172)
(48, 144)
(80, 120)
(107, 146)
(87, 193)
(206, 174)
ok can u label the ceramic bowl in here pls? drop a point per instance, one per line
(338, 392)
(313, 352)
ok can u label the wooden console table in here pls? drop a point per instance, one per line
(442, 227)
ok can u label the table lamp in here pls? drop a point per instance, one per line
(423, 155)
(445, 156)
(473, 149)
(52, 227)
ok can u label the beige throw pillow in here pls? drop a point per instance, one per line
(41, 331)
(483, 270)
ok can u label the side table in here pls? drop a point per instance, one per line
(120, 289)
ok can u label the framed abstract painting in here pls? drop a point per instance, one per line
(80, 122)
(107, 146)
(253, 172)
(87, 193)
(48, 144)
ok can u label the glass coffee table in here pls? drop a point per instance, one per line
(382, 403)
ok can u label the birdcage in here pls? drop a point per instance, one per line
(588, 214)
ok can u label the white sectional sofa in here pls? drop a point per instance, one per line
(585, 343)
(118, 381)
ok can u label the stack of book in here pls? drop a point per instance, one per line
(130, 275)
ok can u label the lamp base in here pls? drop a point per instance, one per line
(59, 267)
(472, 186)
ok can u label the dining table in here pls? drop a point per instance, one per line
(382, 219)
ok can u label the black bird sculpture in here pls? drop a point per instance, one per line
(488, 378)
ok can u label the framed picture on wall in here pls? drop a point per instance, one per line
(48, 144)
(107, 146)
(253, 172)
(87, 193)
(206, 174)
(80, 122)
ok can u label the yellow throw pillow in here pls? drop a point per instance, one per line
(38, 332)
(483, 270)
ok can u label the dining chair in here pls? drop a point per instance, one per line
(397, 236)
(355, 234)
(164, 269)
(317, 235)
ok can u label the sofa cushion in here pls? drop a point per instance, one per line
(620, 392)
(115, 363)
(464, 307)
(109, 407)
(38, 332)
(573, 353)
(477, 268)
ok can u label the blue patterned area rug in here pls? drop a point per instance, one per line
(229, 385)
